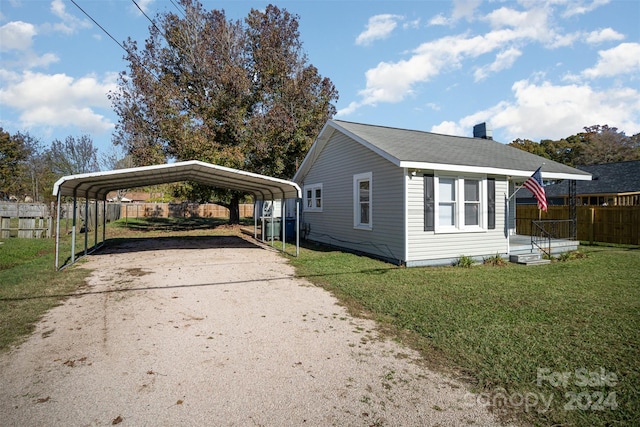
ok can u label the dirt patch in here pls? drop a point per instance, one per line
(217, 331)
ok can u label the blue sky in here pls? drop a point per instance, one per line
(533, 69)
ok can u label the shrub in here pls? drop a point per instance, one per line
(464, 261)
(495, 260)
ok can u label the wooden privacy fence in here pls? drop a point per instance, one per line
(609, 224)
(181, 210)
(37, 220)
(26, 220)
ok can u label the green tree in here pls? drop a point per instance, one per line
(597, 144)
(604, 144)
(13, 153)
(36, 178)
(235, 94)
(530, 146)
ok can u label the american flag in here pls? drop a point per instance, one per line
(534, 184)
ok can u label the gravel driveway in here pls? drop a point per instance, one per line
(216, 331)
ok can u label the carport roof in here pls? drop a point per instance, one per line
(96, 185)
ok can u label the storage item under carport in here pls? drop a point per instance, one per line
(290, 229)
(271, 228)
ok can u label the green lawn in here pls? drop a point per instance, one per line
(524, 336)
(30, 285)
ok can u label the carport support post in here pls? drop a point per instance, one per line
(73, 227)
(86, 223)
(95, 232)
(283, 222)
(272, 220)
(58, 231)
(255, 218)
(104, 220)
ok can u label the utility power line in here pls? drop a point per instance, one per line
(113, 38)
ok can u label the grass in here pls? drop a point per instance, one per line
(512, 330)
(30, 285)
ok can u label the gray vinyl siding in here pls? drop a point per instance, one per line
(334, 168)
(430, 248)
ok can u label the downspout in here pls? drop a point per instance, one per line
(297, 226)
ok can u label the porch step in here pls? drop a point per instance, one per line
(529, 259)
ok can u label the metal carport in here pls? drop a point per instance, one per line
(95, 186)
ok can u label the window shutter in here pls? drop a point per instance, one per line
(429, 203)
(491, 203)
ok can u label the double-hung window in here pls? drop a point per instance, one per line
(447, 206)
(313, 198)
(362, 201)
(458, 203)
(472, 207)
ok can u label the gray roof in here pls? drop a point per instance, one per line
(97, 185)
(412, 147)
(608, 178)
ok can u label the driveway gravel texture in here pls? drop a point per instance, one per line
(217, 331)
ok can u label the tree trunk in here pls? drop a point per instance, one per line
(234, 210)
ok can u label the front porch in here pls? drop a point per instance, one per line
(520, 244)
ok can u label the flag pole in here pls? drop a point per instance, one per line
(507, 202)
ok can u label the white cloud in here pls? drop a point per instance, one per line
(604, 35)
(379, 27)
(31, 60)
(511, 30)
(504, 60)
(16, 35)
(462, 9)
(393, 81)
(70, 24)
(411, 24)
(580, 7)
(144, 5)
(547, 111)
(622, 59)
(531, 24)
(58, 99)
(16, 39)
(449, 128)
(439, 19)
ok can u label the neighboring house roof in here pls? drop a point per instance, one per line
(608, 178)
(426, 150)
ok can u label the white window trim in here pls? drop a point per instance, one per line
(460, 227)
(367, 176)
(313, 188)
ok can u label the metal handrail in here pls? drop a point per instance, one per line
(543, 231)
(538, 236)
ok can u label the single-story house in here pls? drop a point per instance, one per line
(412, 197)
(613, 184)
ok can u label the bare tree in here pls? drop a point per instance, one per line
(73, 156)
